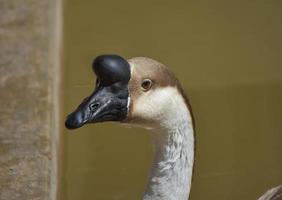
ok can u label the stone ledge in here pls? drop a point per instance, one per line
(26, 103)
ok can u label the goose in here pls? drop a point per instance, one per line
(143, 92)
(272, 194)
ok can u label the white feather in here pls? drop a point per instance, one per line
(174, 140)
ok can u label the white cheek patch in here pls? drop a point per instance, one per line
(158, 104)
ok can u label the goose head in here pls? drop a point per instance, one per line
(141, 91)
(136, 91)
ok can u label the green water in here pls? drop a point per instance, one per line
(227, 55)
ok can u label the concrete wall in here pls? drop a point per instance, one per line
(29, 98)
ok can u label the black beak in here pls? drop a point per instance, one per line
(109, 100)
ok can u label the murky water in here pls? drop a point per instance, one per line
(228, 57)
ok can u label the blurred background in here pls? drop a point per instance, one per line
(226, 54)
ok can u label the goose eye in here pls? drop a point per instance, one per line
(146, 84)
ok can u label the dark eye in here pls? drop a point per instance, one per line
(146, 84)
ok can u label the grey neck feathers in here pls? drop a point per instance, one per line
(174, 157)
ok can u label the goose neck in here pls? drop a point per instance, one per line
(172, 168)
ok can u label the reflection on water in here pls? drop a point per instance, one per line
(227, 56)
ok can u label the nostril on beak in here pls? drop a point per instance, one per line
(93, 106)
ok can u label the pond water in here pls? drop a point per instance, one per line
(227, 55)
